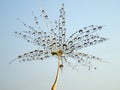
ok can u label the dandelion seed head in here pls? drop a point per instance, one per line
(55, 43)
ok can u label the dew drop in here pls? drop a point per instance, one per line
(24, 36)
(78, 61)
(86, 36)
(100, 27)
(94, 28)
(46, 16)
(95, 68)
(91, 43)
(79, 38)
(79, 46)
(41, 58)
(36, 51)
(61, 66)
(23, 59)
(80, 31)
(43, 10)
(20, 56)
(63, 34)
(88, 31)
(64, 45)
(39, 37)
(36, 22)
(60, 28)
(39, 32)
(70, 42)
(15, 32)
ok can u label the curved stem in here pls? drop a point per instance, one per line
(57, 76)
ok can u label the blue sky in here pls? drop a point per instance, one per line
(39, 75)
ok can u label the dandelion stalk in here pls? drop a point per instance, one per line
(57, 75)
(59, 55)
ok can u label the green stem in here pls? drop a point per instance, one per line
(57, 76)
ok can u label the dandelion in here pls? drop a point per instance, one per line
(55, 43)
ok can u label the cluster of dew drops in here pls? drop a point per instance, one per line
(55, 39)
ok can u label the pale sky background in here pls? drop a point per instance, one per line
(40, 75)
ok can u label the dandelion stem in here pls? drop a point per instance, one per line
(57, 76)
